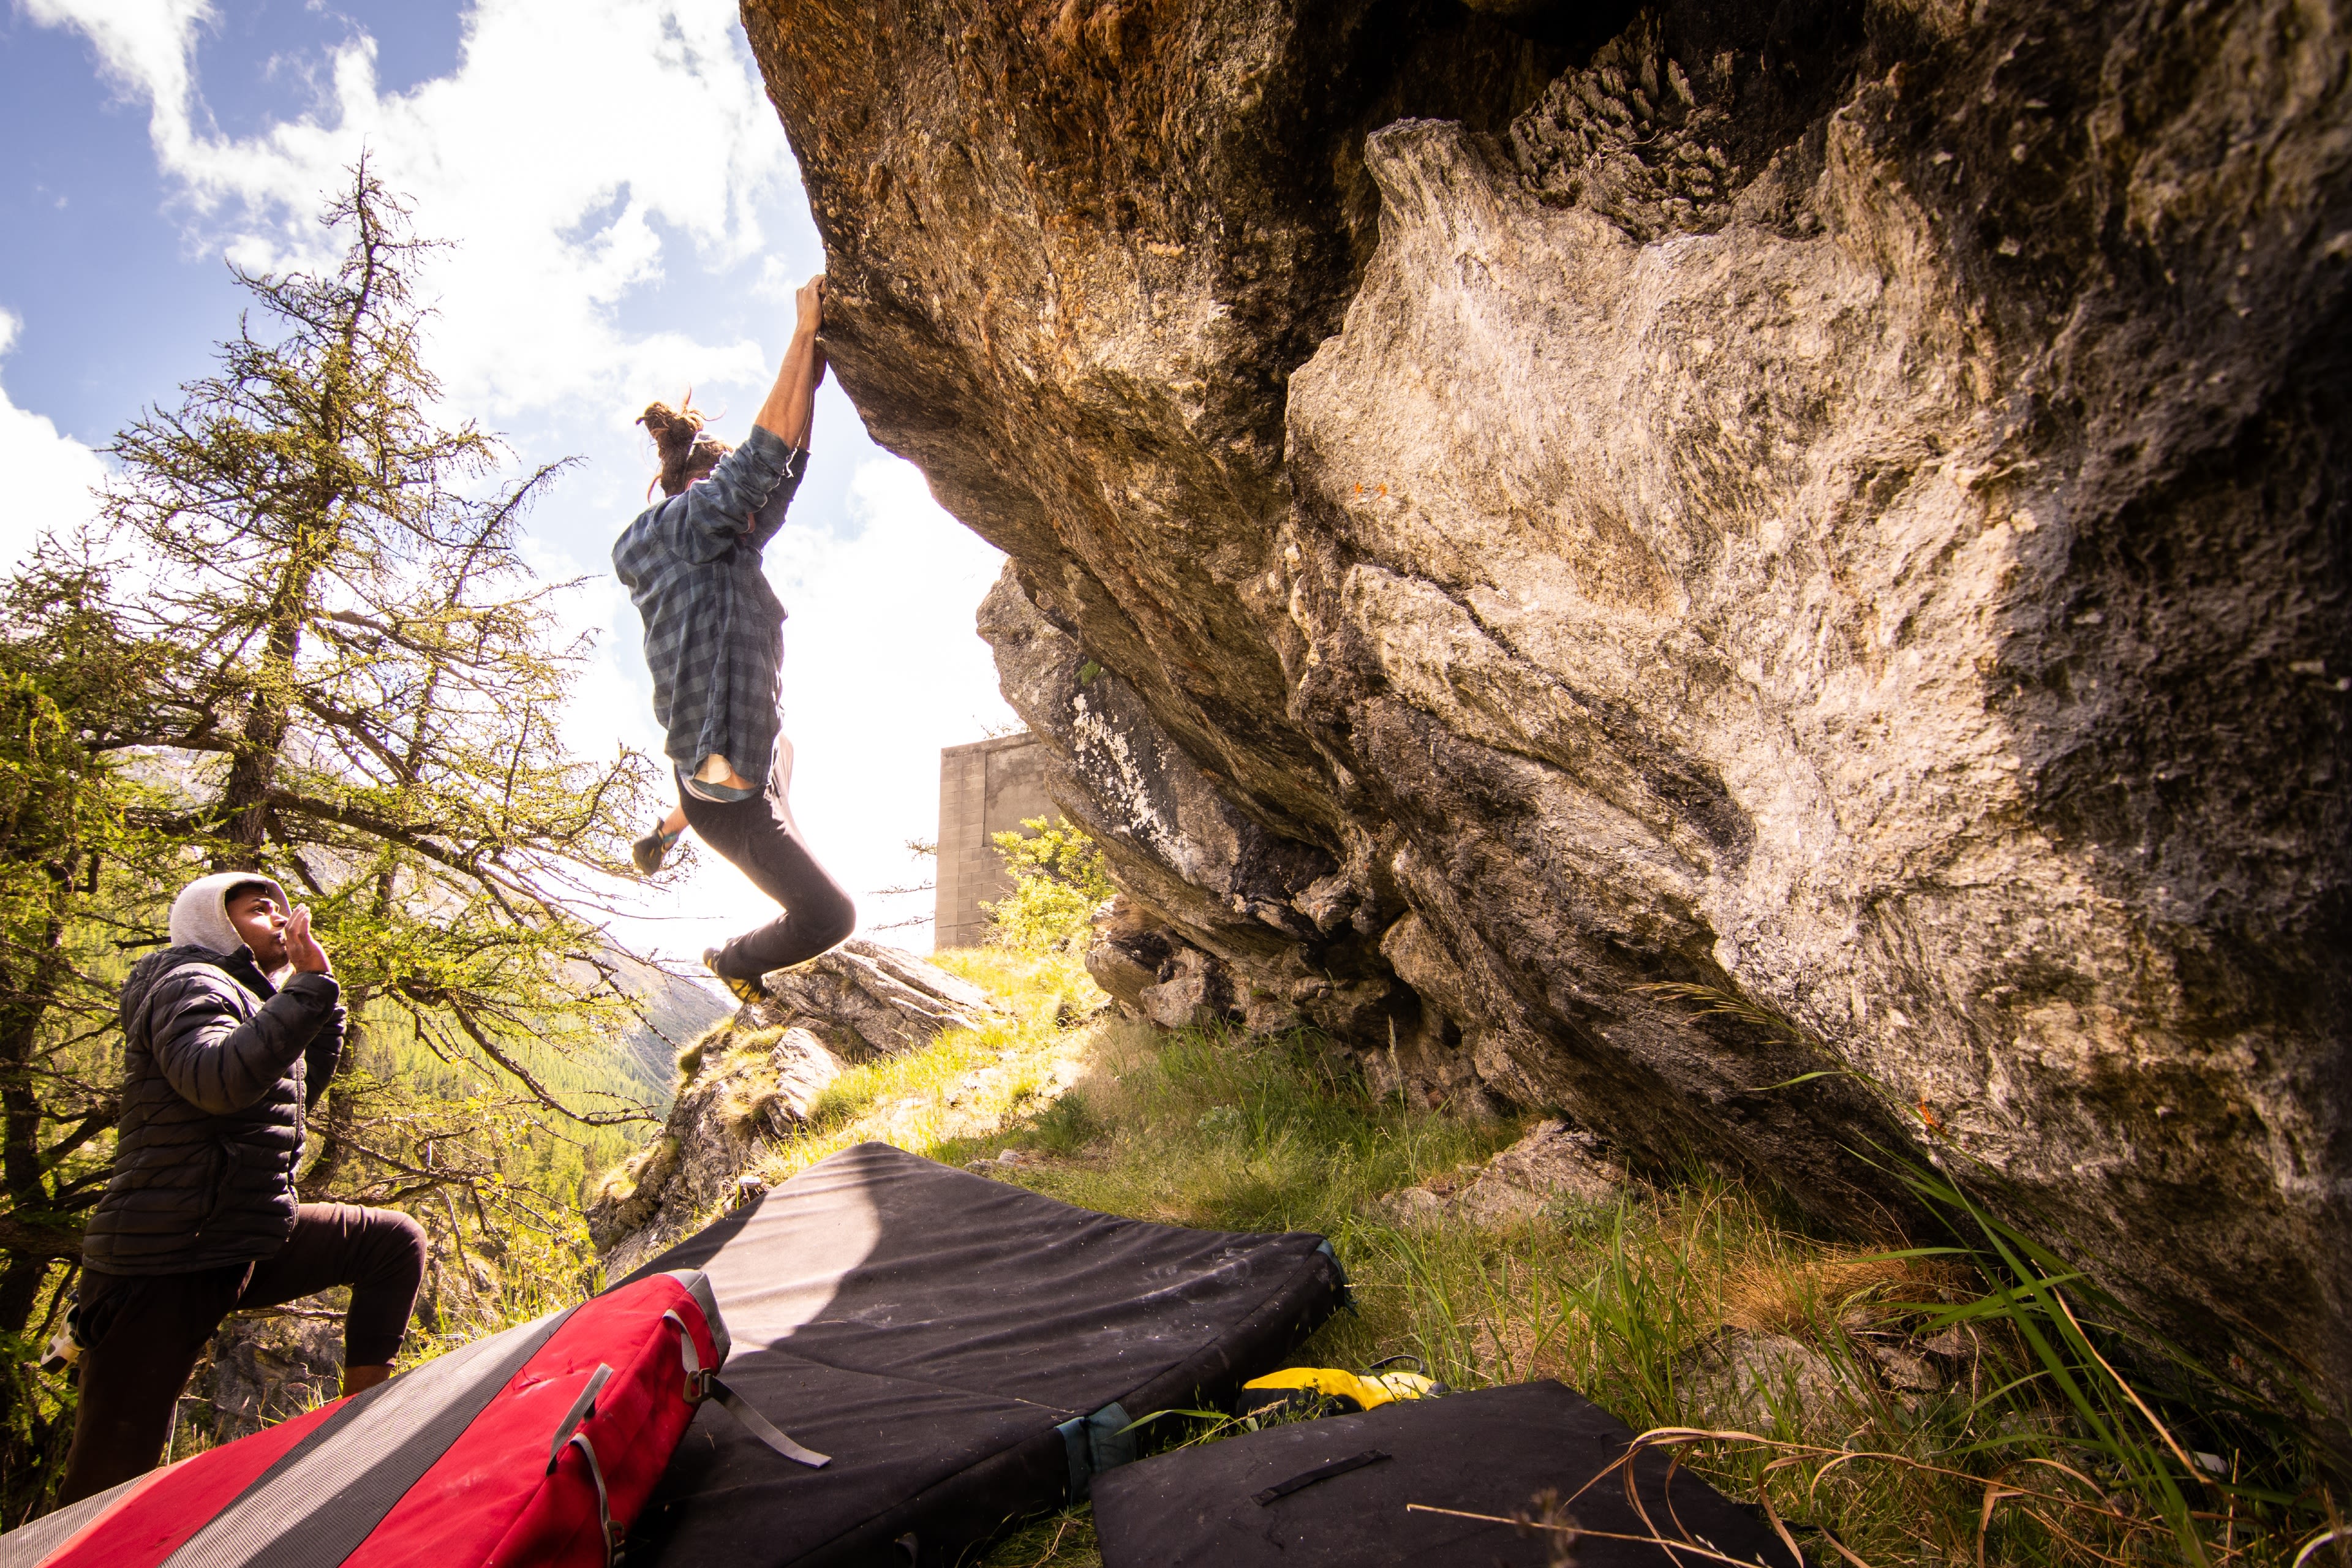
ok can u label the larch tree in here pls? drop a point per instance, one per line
(368, 671)
(311, 647)
(79, 853)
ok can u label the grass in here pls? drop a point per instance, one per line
(1930, 1405)
(969, 1083)
(1952, 1403)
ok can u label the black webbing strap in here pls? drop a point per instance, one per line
(1276, 1492)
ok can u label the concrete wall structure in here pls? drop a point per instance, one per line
(986, 787)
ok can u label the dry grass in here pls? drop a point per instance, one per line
(1775, 1292)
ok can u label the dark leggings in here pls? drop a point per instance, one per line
(144, 1331)
(759, 836)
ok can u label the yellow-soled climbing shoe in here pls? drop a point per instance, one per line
(746, 992)
(1327, 1391)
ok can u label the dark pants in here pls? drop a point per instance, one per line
(145, 1332)
(759, 836)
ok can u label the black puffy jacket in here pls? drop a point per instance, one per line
(221, 1068)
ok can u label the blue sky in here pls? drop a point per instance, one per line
(627, 221)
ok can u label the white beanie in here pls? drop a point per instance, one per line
(200, 914)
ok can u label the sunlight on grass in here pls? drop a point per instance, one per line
(1625, 1302)
(968, 1084)
(1690, 1301)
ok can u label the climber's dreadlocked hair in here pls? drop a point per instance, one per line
(686, 453)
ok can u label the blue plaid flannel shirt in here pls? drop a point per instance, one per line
(714, 629)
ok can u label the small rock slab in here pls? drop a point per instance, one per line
(877, 1001)
(718, 1129)
(1740, 1379)
(1553, 1161)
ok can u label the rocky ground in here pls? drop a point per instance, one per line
(753, 1107)
(1487, 1248)
(759, 1077)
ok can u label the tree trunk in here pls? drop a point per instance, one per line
(245, 801)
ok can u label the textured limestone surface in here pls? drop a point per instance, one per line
(869, 1000)
(1759, 1382)
(266, 1367)
(755, 1080)
(1841, 506)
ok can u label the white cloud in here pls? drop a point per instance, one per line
(49, 473)
(572, 132)
(142, 45)
(606, 166)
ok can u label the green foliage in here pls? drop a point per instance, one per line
(1625, 1302)
(336, 668)
(77, 847)
(2143, 1439)
(366, 677)
(1059, 880)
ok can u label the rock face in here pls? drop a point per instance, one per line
(267, 1367)
(1763, 1383)
(1153, 973)
(753, 1084)
(758, 1078)
(1843, 507)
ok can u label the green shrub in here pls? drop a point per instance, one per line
(1059, 881)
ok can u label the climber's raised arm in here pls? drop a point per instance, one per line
(724, 497)
(790, 406)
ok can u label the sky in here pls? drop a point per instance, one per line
(625, 222)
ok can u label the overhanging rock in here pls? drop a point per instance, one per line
(1844, 508)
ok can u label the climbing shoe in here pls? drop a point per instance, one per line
(1312, 1391)
(746, 992)
(650, 851)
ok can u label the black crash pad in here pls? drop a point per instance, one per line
(1490, 1452)
(946, 1339)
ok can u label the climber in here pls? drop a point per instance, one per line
(714, 641)
(230, 1036)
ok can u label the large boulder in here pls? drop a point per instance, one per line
(1770, 576)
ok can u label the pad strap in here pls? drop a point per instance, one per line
(603, 1499)
(702, 1382)
(583, 1410)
